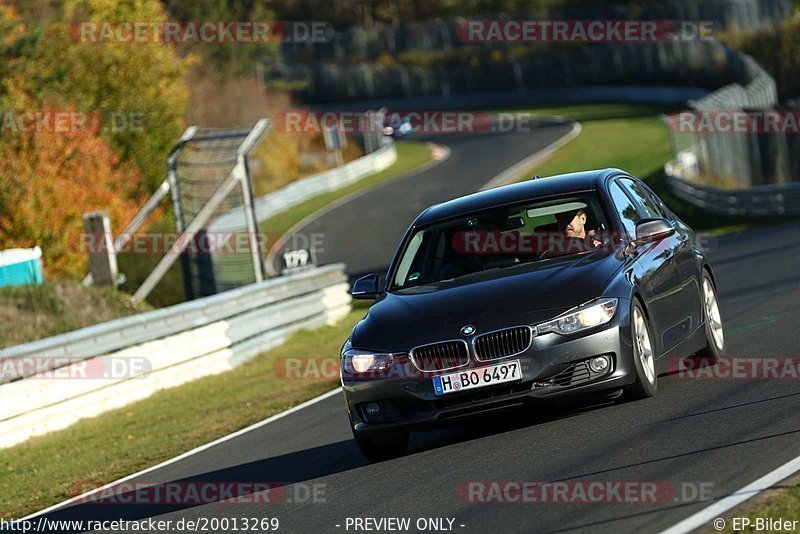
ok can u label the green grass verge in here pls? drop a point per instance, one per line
(630, 137)
(56, 466)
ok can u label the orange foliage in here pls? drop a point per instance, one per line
(47, 182)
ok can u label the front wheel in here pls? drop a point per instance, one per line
(384, 446)
(715, 337)
(644, 358)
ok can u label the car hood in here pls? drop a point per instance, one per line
(525, 294)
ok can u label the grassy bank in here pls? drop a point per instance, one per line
(783, 502)
(28, 313)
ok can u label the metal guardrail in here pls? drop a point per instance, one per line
(756, 201)
(118, 334)
(761, 167)
(180, 344)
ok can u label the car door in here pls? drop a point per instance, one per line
(659, 274)
(671, 280)
(686, 261)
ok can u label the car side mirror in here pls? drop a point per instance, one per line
(653, 229)
(366, 287)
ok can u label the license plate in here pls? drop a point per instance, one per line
(477, 378)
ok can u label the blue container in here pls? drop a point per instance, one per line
(21, 266)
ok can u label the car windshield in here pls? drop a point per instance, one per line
(503, 237)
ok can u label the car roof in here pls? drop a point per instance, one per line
(561, 184)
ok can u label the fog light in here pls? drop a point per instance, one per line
(599, 364)
(373, 409)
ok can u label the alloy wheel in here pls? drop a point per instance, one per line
(712, 314)
(643, 346)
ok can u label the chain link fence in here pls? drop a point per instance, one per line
(220, 260)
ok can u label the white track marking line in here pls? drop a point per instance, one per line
(719, 508)
(201, 448)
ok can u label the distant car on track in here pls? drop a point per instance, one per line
(568, 286)
(398, 127)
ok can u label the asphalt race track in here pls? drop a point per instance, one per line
(715, 434)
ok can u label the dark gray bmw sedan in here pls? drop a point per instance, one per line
(576, 285)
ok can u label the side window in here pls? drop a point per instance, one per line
(658, 202)
(627, 211)
(642, 197)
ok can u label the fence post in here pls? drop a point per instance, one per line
(102, 255)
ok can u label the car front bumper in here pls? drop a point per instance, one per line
(554, 367)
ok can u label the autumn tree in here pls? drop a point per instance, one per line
(139, 84)
(49, 180)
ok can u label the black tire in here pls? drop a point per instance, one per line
(712, 352)
(384, 446)
(645, 384)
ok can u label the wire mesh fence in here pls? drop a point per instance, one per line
(219, 259)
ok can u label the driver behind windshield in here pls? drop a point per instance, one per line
(573, 225)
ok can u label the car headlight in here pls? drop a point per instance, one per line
(589, 315)
(366, 361)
